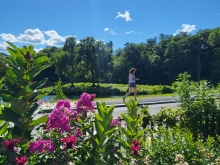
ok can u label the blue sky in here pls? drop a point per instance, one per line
(49, 22)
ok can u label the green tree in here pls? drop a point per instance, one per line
(70, 47)
(87, 50)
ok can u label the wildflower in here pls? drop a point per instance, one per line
(180, 160)
(10, 145)
(21, 161)
(41, 146)
(59, 121)
(115, 122)
(135, 147)
(78, 132)
(133, 161)
(69, 142)
(85, 103)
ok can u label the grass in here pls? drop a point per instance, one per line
(128, 97)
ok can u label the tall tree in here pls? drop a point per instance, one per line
(87, 50)
(70, 47)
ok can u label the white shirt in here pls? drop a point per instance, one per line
(131, 78)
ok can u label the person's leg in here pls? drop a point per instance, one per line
(129, 92)
(135, 93)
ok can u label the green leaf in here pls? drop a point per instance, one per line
(19, 106)
(124, 144)
(40, 60)
(99, 127)
(12, 52)
(98, 117)
(111, 129)
(42, 95)
(35, 72)
(38, 84)
(12, 45)
(40, 120)
(3, 128)
(6, 97)
(100, 108)
(9, 115)
(140, 133)
(107, 122)
(109, 113)
(140, 119)
(25, 91)
(127, 119)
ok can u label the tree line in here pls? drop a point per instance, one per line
(158, 60)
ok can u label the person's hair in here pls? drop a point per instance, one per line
(132, 70)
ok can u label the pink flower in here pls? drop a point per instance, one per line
(21, 161)
(85, 102)
(135, 147)
(10, 145)
(69, 142)
(58, 121)
(41, 146)
(78, 132)
(63, 103)
(92, 96)
(115, 122)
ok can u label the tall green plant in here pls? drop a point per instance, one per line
(21, 93)
(58, 91)
(200, 109)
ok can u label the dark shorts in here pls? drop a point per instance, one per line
(132, 85)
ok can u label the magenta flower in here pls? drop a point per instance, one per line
(58, 121)
(63, 103)
(115, 122)
(41, 146)
(21, 161)
(85, 102)
(92, 96)
(10, 145)
(135, 147)
(78, 132)
(69, 142)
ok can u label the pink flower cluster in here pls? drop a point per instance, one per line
(42, 145)
(115, 122)
(59, 118)
(86, 102)
(21, 161)
(10, 145)
(69, 142)
(135, 147)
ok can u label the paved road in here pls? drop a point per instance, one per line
(120, 103)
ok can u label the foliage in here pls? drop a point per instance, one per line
(108, 90)
(164, 145)
(201, 111)
(20, 94)
(58, 91)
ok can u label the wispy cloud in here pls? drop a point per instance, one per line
(106, 29)
(126, 16)
(130, 32)
(185, 28)
(113, 33)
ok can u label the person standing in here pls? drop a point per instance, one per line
(131, 83)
